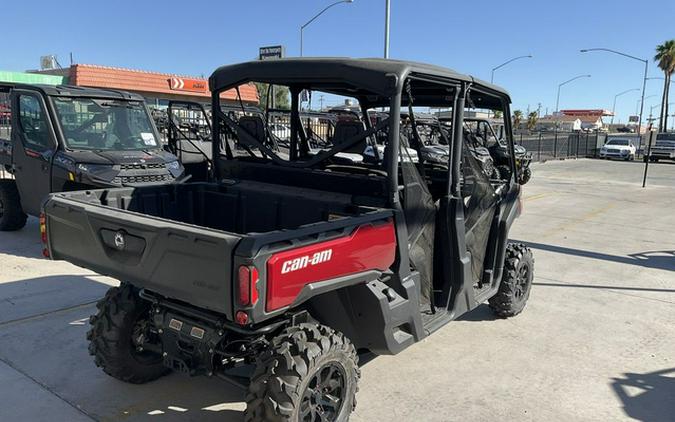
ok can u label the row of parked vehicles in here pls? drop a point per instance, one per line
(290, 256)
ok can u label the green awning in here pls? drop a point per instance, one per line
(32, 78)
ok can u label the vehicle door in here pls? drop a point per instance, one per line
(34, 145)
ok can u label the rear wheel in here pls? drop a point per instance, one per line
(117, 333)
(525, 175)
(310, 373)
(514, 290)
(12, 216)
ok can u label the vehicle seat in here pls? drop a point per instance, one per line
(347, 129)
(254, 126)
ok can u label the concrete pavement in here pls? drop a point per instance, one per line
(596, 341)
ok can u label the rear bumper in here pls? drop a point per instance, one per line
(615, 154)
(663, 154)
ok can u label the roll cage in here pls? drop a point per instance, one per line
(391, 84)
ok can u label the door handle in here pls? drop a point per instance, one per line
(44, 167)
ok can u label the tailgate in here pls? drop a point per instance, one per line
(176, 260)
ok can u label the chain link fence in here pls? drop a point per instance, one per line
(553, 145)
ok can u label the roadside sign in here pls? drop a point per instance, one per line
(271, 52)
(633, 119)
(186, 84)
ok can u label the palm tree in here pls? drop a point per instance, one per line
(665, 56)
(517, 118)
(497, 114)
(532, 120)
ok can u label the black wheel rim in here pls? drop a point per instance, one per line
(522, 282)
(324, 395)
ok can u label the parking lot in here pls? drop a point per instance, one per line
(596, 341)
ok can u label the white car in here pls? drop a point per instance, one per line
(618, 148)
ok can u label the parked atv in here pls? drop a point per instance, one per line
(500, 152)
(64, 138)
(292, 263)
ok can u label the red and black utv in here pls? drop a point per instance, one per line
(292, 259)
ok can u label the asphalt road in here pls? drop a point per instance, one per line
(596, 341)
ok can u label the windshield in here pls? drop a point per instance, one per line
(105, 124)
(618, 142)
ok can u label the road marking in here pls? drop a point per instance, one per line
(537, 196)
(577, 220)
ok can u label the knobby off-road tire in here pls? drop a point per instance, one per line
(12, 216)
(514, 290)
(525, 175)
(111, 337)
(309, 368)
(504, 172)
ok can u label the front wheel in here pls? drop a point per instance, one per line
(309, 373)
(514, 289)
(12, 216)
(118, 331)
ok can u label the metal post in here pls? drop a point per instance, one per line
(387, 16)
(539, 148)
(302, 28)
(647, 157)
(555, 145)
(639, 126)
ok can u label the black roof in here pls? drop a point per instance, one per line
(73, 91)
(372, 75)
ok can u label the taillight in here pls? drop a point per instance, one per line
(43, 234)
(248, 285)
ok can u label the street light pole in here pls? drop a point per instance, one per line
(644, 85)
(302, 28)
(387, 17)
(492, 76)
(637, 103)
(614, 104)
(557, 99)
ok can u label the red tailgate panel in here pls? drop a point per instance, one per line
(367, 248)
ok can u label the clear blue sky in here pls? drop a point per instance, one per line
(192, 37)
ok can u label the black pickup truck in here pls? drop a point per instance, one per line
(64, 138)
(292, 259)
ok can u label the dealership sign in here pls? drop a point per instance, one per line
(271, 52)
(186, 84)
(633, 119)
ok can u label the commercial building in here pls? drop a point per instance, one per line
(157, 88)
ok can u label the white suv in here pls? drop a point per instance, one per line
(618, 148)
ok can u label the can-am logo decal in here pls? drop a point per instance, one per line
(305, 261)
(120, 241)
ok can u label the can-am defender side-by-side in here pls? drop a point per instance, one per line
(291, 261)
(65, 138)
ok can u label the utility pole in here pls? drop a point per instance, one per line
(387, 18)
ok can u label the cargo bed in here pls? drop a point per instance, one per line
(183, 241)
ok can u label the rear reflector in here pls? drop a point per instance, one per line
(43, 234)
(248, 285)
(241, 318)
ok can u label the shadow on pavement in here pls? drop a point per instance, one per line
(33, 297)
(647, 397)
(661, 260)
(23, 243)
(481, 313)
